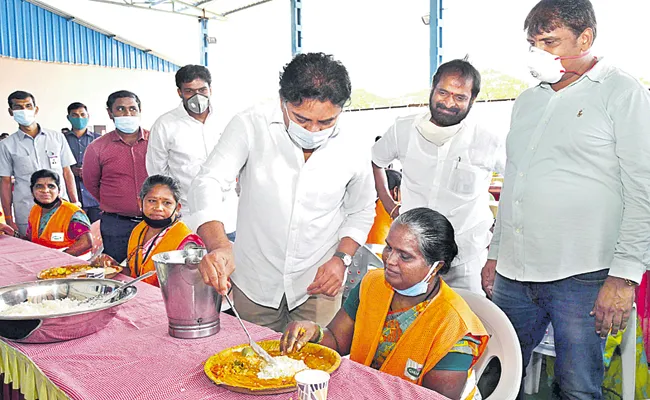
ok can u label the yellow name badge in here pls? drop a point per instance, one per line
(57, 237)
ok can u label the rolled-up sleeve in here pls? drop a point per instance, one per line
(157, 152)
(92, 171)
(385, 150)
(6, 164)
(630, 113)
(218, 173)
(359, 204)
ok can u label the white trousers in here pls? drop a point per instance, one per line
(468, 275)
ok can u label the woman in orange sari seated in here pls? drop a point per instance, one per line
(404, 320)
(161, 230)
(54, 222)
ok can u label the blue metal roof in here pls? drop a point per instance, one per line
(33, 33)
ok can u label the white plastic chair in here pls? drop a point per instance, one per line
(628, 359)
(363, 261)
(503, 344)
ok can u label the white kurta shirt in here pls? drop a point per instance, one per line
(178, 146)
(292, 213)
(576, 195)
(452, 179)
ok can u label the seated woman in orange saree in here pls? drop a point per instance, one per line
(54, 222)
(160, 230)
(404, 320)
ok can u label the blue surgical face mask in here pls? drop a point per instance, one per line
(24, 117)
(78, 124)
(421, 287)
(304, 137)
(127, 125)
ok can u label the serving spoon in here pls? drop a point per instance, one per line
(256, 347)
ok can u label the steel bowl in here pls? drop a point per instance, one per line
(62, 326)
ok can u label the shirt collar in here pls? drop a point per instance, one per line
(277, 116)
(116, 137)
(87, 133)
(22, 134)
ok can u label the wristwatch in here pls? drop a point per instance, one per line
(630, 282)
(347, 259)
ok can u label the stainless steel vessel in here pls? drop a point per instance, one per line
(65, 325)
(192, 306)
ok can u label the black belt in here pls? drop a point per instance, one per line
(125, 217)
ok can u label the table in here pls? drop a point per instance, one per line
(135, 358)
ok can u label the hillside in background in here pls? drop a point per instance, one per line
(494, 86)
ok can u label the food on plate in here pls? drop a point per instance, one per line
(75, 271)
(45, 307)
(284, 367)
(240, 367)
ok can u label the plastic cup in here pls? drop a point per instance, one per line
(312, 384)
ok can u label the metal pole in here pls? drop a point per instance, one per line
(204, 41)
(435, 36)
(296, 27)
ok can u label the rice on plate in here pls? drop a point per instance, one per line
(46, 307)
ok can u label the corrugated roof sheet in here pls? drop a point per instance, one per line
(33, 33)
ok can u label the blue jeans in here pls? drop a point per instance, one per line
(566, 304)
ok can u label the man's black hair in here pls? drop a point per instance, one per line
(76, 105)
(458, 67)
(315, 76)
(20, 95)
(191, 72)
(548, 15)
(120, 94)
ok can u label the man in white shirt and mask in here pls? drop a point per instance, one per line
(183, 138)
(307, 199)
(447, 164)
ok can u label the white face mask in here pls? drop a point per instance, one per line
(25, 117)
(545, 66)
(305, 138)
(435, 134)
(127, 125)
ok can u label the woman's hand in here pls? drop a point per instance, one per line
(103, 261)
(7, 230)
(297, 335)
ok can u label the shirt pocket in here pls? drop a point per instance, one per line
(465, 179)
(23, 166)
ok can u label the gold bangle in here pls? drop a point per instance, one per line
(321, 334)
(630, 282)
(393, 210)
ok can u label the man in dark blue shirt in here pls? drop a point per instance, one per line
(78, 139)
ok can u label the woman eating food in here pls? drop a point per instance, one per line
(160, 230)
(54, 222)
(404, 320)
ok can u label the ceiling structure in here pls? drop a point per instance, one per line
(208, 9)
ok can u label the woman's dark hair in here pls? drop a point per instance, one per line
(191, 72)
(461, 68)
(547, 15)
(434, 234)
(394, 179)
(315, 76)
(168, 181)
(120, 94)
(44, 173)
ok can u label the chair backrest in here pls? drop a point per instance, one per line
(503, 344)
(363, 260)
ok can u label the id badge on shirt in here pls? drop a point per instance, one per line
(57, 237)
(54, 160)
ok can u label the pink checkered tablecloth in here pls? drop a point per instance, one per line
(135, 358)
